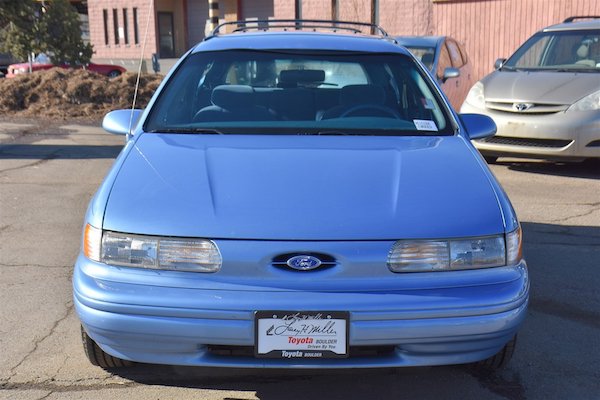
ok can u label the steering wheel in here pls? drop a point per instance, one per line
(374, 107)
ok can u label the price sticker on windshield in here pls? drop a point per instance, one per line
(425, 125)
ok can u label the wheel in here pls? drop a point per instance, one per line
(498, 360)
(490, 159)
(113, 74)
(98, 357)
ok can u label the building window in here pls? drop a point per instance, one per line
(125, 27)
(136, 36)
(105, 17)
(116, 25)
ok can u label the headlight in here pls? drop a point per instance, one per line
(588, 103)
(176, 254)
(20, 71)
(451, 255)
(475, 96)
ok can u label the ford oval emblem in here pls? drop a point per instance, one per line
(304, 262)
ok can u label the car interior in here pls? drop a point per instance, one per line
(294, 90)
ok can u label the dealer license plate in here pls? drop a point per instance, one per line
(301, 334)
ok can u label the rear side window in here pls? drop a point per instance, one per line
(266, 74)
(455, 54)
(444, 61)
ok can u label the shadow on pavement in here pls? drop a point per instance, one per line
(563, 263)
(387, 383)
(54, 152)
(587, 169)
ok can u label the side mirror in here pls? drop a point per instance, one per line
(450, 72)
(118, 122)
(478, 126)
(499, 63)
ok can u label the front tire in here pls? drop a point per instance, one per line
(99, 357)
(498, 360)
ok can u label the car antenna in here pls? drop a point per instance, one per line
(139, 73)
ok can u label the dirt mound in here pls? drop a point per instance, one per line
(72, 94)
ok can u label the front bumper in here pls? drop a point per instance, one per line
(180, 326)
(573, 135)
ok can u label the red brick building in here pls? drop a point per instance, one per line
(488, 28)
(118, 27)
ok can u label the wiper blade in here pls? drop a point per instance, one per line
(576, 70)
(511, 69)
(334, 133)
(204, 131)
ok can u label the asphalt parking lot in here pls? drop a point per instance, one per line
(47, 176)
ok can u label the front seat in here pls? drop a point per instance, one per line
(234, 103)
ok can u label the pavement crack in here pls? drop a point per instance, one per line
(595, 208)
(46, 395)
(64, 363)
(57, 388)
(510, 388)
(565, 311)
(33, 164)
(69, 309)
(35, 265)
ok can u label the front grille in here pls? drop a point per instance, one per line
(595, 143)
(529, 108)
(528, 142)
(281, 260)
(248, 351)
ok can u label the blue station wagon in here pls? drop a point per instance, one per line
(300, 196)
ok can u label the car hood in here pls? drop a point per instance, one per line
(540, 86)
(272, 187)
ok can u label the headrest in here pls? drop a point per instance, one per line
(583, 50)
(295, 76)
(233, 96)
(362, 94)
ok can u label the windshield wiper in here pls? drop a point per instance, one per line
(575, 70)
(203, 131)
(333, 133)
(508, 68)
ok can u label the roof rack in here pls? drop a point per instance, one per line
(571, 19)
(298, 25)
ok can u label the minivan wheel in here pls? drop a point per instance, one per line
(498, 360)
(98, 357)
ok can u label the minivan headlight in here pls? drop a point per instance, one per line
(175, 254)
(452, 255)
(588, 103)
(475, 96)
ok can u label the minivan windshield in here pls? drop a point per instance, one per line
(562, 51)
(291, 92)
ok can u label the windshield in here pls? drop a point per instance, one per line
(283, 92)
(425, 54)
(561, 51)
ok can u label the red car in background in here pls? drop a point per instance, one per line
(43, 62)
